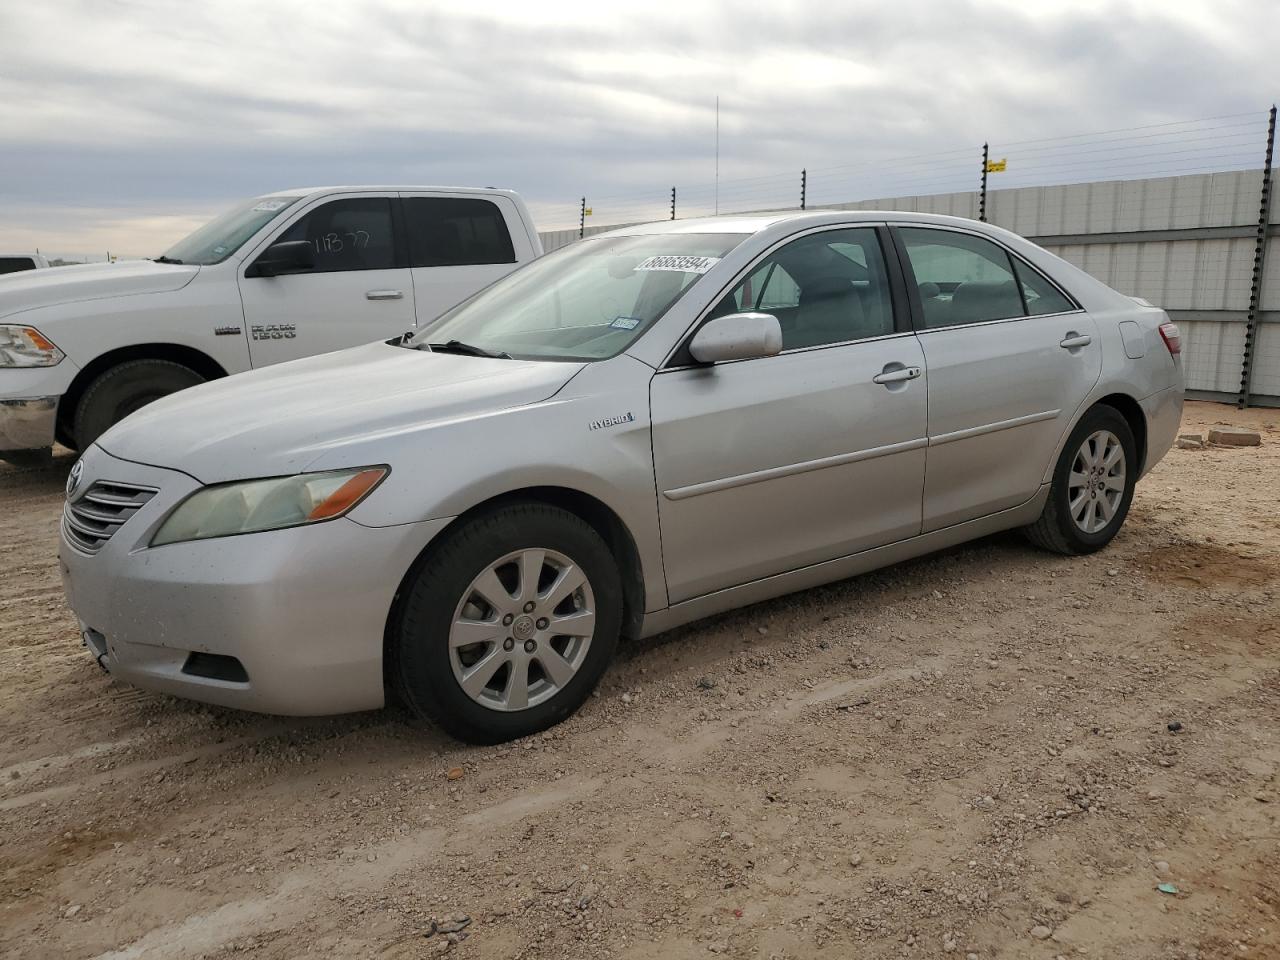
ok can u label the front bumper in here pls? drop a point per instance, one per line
(303, 611)
(27, 423)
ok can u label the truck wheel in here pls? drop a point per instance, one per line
(125, 389)
(508, 627)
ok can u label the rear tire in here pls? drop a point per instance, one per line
(124, 389)
(1092, 486)
(485, 646)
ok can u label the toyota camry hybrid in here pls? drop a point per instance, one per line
(638, 430)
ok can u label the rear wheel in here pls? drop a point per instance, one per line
(509, 625)
(124, 389)
(1092, 486)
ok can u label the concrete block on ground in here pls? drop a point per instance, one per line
(1234, 437)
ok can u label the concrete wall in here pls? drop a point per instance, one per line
(1184, 243)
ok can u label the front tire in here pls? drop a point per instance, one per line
(509, 625)
(124, 389)
(1092, 486)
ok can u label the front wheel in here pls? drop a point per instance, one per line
(1092, 486)
(124, 389)
(509, 625)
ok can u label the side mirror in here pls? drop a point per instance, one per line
(291, 256)
(737, 336)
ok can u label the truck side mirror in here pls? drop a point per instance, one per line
(289, 256)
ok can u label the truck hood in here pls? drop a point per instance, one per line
(30, 289)
(278, 420)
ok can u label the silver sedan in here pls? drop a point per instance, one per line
(638, 430)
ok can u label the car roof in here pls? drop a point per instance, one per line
(758, 222)
(385, 188)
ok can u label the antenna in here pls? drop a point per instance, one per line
(717, 153)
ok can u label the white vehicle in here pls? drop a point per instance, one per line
(18, 262)
(278, 277)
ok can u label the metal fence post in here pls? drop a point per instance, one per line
(1259, 263)
(582, 219)
(673, 203)
(982, 194)
(804, 186)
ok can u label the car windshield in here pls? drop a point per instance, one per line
(224, 235)
(588, 301)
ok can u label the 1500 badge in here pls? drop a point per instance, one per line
(627, 417)
(274, 331)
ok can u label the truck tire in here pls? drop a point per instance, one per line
(124, 389)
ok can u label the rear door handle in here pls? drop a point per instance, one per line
(896, 376)
(1074, 340)
(384, 295)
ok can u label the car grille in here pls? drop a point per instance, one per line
(90, 520)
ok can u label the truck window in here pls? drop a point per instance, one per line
(14, 264)
(456, 231)
(350, 234)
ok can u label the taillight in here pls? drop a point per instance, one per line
(1172, 337)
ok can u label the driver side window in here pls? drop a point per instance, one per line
(824, 288)
(353, 234)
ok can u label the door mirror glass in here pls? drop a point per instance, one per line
(289, 256)
(737, 336)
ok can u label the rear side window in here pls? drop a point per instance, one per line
(456, 232)
(961, 278)
(353, 234)
(15, 264)
(1040, 295)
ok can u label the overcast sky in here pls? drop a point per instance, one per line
(125, 124)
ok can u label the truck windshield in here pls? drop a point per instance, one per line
(587, 301)
(224, 235)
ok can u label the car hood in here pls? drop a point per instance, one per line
(89, 281)
(278, 420)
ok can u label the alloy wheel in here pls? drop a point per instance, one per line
(522, 629)
(1096, 483)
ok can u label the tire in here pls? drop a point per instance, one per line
(125, 389)
(427, 668)
(1088, 528)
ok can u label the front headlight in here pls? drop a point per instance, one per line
(251, 506)
(26, 347)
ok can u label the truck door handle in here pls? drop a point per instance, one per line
(895, 376)
(384, 295)
(1074, 340)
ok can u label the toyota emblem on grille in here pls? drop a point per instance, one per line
(73, 478)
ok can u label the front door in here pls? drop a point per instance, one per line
(772, 464)
(359, 290)
(1010, 360)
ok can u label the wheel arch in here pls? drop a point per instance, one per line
(595, 512)
(1131, 410)
(190, 357)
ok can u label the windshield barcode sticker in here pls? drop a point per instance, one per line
(679, 264)
(270, 206)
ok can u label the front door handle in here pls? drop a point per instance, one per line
(1074, 340)
(384, 295)
(896, 376)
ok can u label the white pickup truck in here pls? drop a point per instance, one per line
(278, 277)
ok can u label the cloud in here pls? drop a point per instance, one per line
(135, 119)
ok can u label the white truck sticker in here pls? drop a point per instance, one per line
(679, 264)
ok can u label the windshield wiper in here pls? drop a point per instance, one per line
(470, 350)
(163, 259)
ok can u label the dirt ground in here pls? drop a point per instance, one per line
(973, 754)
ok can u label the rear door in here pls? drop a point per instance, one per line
(772, 464)
(1010, 358)
(360, 289)
(458, 245)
